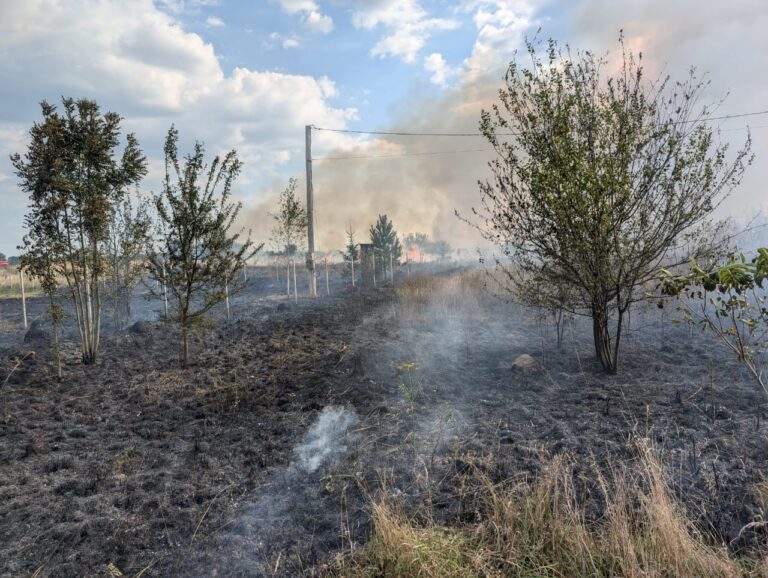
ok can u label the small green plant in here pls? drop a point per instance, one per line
(731, 301)
(410, 387)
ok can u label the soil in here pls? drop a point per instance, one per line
(259, 458)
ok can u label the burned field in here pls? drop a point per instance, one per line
(262, 456)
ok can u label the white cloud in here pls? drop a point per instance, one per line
(214, 22)
(408, 26)
(295, 6)
(318, 22)
(137, 60)
(291, 43)
(311, 16)
(501, 28)
(441, 72)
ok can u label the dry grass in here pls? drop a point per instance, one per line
(443, 296)
(10, 286)
(540, 529)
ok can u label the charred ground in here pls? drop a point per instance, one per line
(195, 472)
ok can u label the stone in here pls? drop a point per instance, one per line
(37, 333)
(141, 328)
(526, 365)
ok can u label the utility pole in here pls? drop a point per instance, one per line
(310, 215)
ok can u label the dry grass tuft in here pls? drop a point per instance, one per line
(539, 528)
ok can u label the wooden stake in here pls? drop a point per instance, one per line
(391, 269)
(327, 285)
(226, 298)
(352, 261)
(165, 293)
(373, 258)
(23, 297)
(295, 287)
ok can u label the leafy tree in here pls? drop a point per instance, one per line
(418, 240)
(731, 301)
(125, 248)
(290, 221)
(440, 248)
(38, 261)
(194, 256)
(2, 257)
(14, 260)
(598, 179)
(385, 241)
(75, 181)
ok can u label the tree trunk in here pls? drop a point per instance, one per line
(560, 327)
(606, 354)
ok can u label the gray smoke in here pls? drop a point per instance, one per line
(326, 439)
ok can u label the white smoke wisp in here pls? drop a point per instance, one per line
(326, 439)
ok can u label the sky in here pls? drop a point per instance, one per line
(250, 75)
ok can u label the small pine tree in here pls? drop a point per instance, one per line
(385, 241)
(352, 252)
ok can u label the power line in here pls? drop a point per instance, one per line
(430, 153)
(477, 134)
(402, 155)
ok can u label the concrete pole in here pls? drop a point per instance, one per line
(310, 215)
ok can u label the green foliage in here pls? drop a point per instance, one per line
(195, 257)
(352, 250)
(419, 240)
(441, 248)
(291, 221)
(385, 241)
(599, 178)
(75, 180)
(730, 300)
(126, 245)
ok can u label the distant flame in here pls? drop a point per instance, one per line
(413, 254)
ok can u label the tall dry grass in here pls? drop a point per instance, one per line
(539, 528)
(443, 296)
(10, 286)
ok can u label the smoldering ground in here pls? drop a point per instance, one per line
(207, 471)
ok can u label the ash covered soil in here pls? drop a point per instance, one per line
(260, 458)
